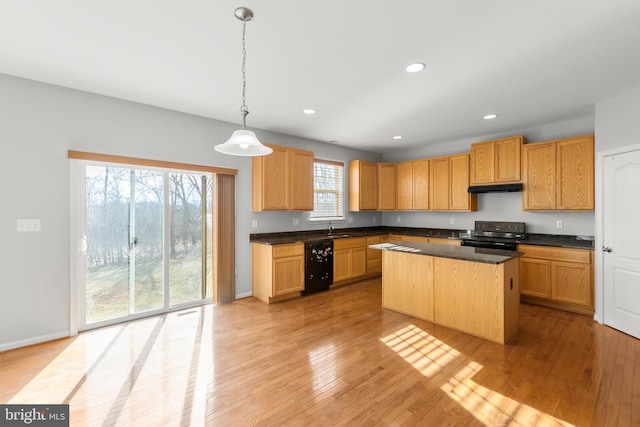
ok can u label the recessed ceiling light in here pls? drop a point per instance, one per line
(490, 116)
(397, 137)
(309, 111)
(414, 68)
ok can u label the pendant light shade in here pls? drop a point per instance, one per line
(243, 142)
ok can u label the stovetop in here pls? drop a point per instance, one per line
(499, 231)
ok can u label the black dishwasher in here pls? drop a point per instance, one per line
(318, 266)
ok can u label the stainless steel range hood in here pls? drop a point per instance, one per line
(495, 188)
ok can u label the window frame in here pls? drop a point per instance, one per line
(341, 193)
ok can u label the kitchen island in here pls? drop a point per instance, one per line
(470, 289)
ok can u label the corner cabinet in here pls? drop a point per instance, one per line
(278, 271)
(449, 184)
(557, 277)
(283, 180)
(496, 161)
(559, 175)
(363, 186)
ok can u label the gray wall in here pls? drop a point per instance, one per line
(498, 206)
(618, 121)
(38, 124)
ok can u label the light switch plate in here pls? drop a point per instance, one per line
(23, 225)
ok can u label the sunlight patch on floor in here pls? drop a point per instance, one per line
(429, 355)
(425, 353)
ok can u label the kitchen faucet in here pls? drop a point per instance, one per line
(330, 228)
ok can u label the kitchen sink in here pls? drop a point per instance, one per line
(339, 236)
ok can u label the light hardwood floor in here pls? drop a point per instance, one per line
(331, 359)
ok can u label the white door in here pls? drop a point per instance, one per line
(621, 191)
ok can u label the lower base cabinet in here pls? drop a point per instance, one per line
(278, 271)
(557, 277)
(349, 258)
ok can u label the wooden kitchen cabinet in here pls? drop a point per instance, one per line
(282, 180)
(387, 186)
(449, 184)
(349, 258)
(374, 256)
(558, 277)
(496, 161)
(278, 271)
(559, 174)
(413, 185)
(363, 185)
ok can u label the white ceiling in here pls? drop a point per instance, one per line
(531, 62)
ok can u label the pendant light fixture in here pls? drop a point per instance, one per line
(243, 142)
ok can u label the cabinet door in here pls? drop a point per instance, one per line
(539, 176)
(269, 176)
(363, 185)
(386, 186)
(482, 163)
(575, 174)
(459, 197)
(571, 282)
(405, 185)
(374, 256)
(341, 260)
(535, 277)
(288, 275)
(507, 159)
(358, 262)
(439, 183)
(301, 180)
(421, 184)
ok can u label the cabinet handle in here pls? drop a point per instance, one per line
(606, 249)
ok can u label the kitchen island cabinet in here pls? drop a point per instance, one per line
(469, 289)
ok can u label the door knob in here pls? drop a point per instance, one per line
(606, 249)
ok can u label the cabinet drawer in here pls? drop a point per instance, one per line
(353, 242)
(294, 249)
(556, 254)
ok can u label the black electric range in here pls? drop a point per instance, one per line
(496, 235)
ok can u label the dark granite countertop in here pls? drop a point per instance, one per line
(279, 238)
(463, 253)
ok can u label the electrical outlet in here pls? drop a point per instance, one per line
(559, 224)
(254, 223)
(296, 221)
(27, 225)
(350, 220)
(398, 219)
(374, 218)
(452, 221)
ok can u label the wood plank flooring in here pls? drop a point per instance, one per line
(331, 359)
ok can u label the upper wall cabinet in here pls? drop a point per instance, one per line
(559, 174)
(496, 161)
(363, 185)
(387, 186)
(448, 184)
(413, 185)
(283, 180)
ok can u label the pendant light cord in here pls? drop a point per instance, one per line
(244, 110)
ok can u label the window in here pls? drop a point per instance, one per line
(327, 190)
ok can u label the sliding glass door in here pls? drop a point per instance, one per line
(146, 242)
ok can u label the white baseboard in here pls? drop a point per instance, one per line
(34, 340)
(244, 295)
